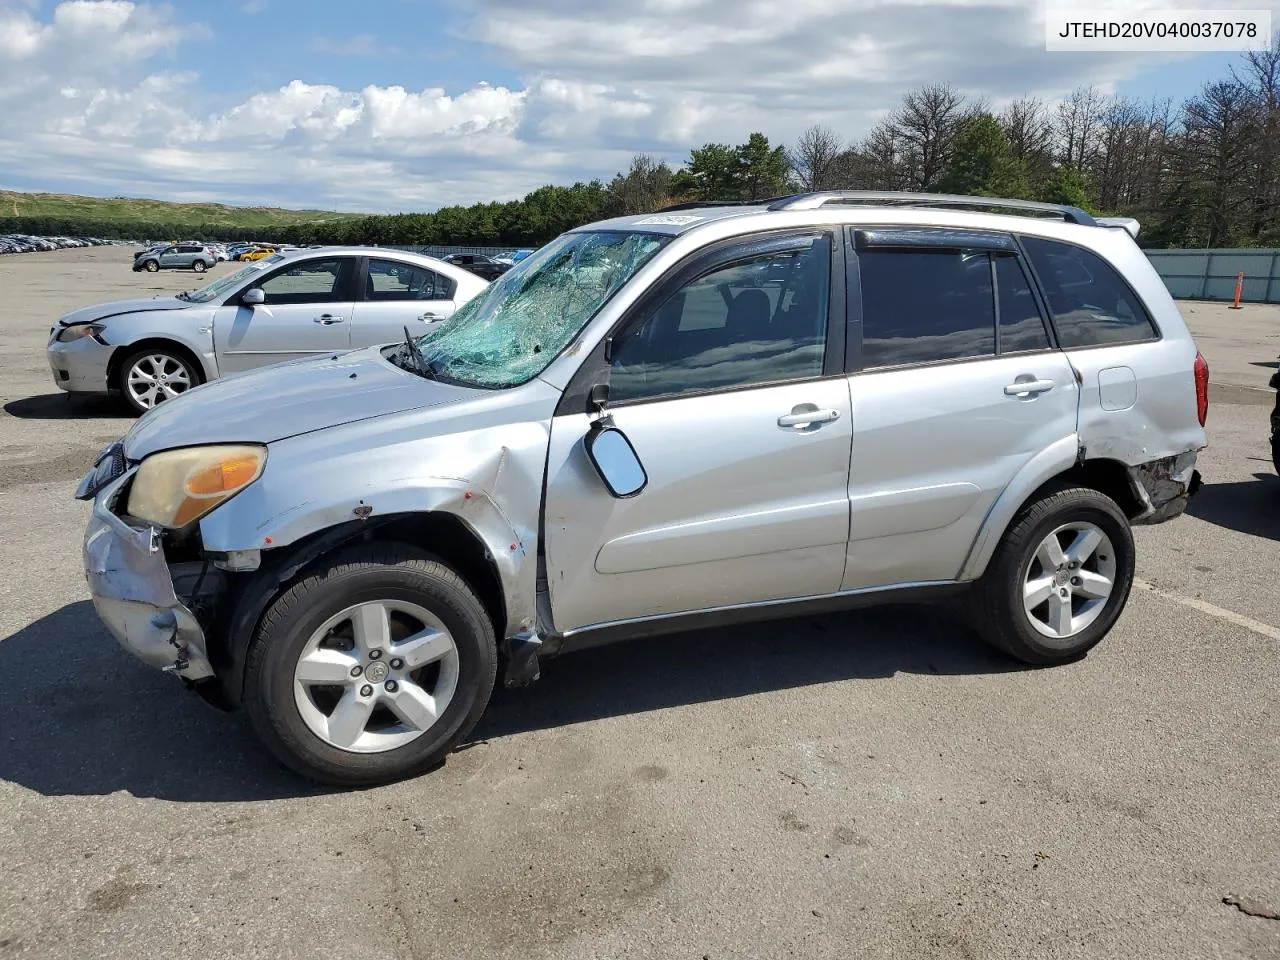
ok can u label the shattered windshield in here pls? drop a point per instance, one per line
(510, 333)
(212, 291)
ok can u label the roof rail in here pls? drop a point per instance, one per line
(812, 201)
(696, 204)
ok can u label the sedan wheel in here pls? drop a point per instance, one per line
(376, 676)
(154, 376)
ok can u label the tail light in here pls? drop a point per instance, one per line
(1202, 387)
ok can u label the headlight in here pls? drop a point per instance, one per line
(174, 488)
(79, 330)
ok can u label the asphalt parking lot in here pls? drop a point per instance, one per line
(871, 784)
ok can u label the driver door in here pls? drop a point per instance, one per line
(728, 382)
(307, 312)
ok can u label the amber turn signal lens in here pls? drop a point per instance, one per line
(223, 477)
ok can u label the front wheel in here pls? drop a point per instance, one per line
(1059, 579)
(152, 266)
(152, 376)
(372, 668)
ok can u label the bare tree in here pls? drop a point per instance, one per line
(926, 125)
(1218, 148)
(876, 163)
(642, 189)
(1260, 78)
(1077, 127)
(1027, 125)
(813, 158)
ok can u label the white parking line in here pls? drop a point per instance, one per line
(1257, 626)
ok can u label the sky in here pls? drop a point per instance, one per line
(395, 105)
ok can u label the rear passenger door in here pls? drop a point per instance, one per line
(956, 385)
(397, 295)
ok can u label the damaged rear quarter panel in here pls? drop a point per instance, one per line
(493, 447)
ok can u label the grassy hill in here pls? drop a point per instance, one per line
(129, 218)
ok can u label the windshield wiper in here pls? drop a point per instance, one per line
(420, 363)
(184, 295)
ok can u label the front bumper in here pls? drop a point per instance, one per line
(80, 366)
(132, 590)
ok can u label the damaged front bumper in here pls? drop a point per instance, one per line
(132, 590)
(1164, 486)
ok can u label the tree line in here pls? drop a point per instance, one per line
(1203, 173)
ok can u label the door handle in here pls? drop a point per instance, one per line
(428, 317)
(1025, 388)
(327, 318)
(805, 418)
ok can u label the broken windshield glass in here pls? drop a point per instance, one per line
(508, 334)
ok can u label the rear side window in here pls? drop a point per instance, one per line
(926, 305)
(1091, 305)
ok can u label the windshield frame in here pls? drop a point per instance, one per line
(533, 262)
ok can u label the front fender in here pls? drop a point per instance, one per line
(493, 484)
(1055, 459)
(195, 332)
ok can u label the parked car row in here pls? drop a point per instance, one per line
(22, 243)
(656, 423)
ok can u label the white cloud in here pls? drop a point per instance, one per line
(92, 94)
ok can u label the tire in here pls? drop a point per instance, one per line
(1018, 570)
(198, 266)
(152, 266)
(173, 373)
(1275, 452)
(290, 716)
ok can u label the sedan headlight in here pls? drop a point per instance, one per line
(177, 487)
(78, 331)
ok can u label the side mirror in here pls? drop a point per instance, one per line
(615, 460)
(253, 297)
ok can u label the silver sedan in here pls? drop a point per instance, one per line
(284, 307)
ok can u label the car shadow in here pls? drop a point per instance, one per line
(66, 406)
(1271, 364)
(1248, 506)
(731, 662)
(81, 717)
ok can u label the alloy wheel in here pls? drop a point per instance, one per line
(156, 377)
(376, 676)
(1068, 580)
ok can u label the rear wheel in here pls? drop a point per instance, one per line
(1060, 577)
(198, 266)
(152, 376)
(371, 669)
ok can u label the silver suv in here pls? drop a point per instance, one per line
(179, 256)
(708, 415)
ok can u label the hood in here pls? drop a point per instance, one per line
(103, 310)
(287, 399)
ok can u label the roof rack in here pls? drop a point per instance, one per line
(812, 201)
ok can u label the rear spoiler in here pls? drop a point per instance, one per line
(1128, 224)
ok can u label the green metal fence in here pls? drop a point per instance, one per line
(1211, 274)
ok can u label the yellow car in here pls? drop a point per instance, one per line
(257, 254)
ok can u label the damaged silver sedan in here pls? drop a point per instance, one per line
(657, 423)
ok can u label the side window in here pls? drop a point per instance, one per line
(392, 280)
(925, 305)
(1090, 304)
(312, 281)
(1021, 326)
(754, 321)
